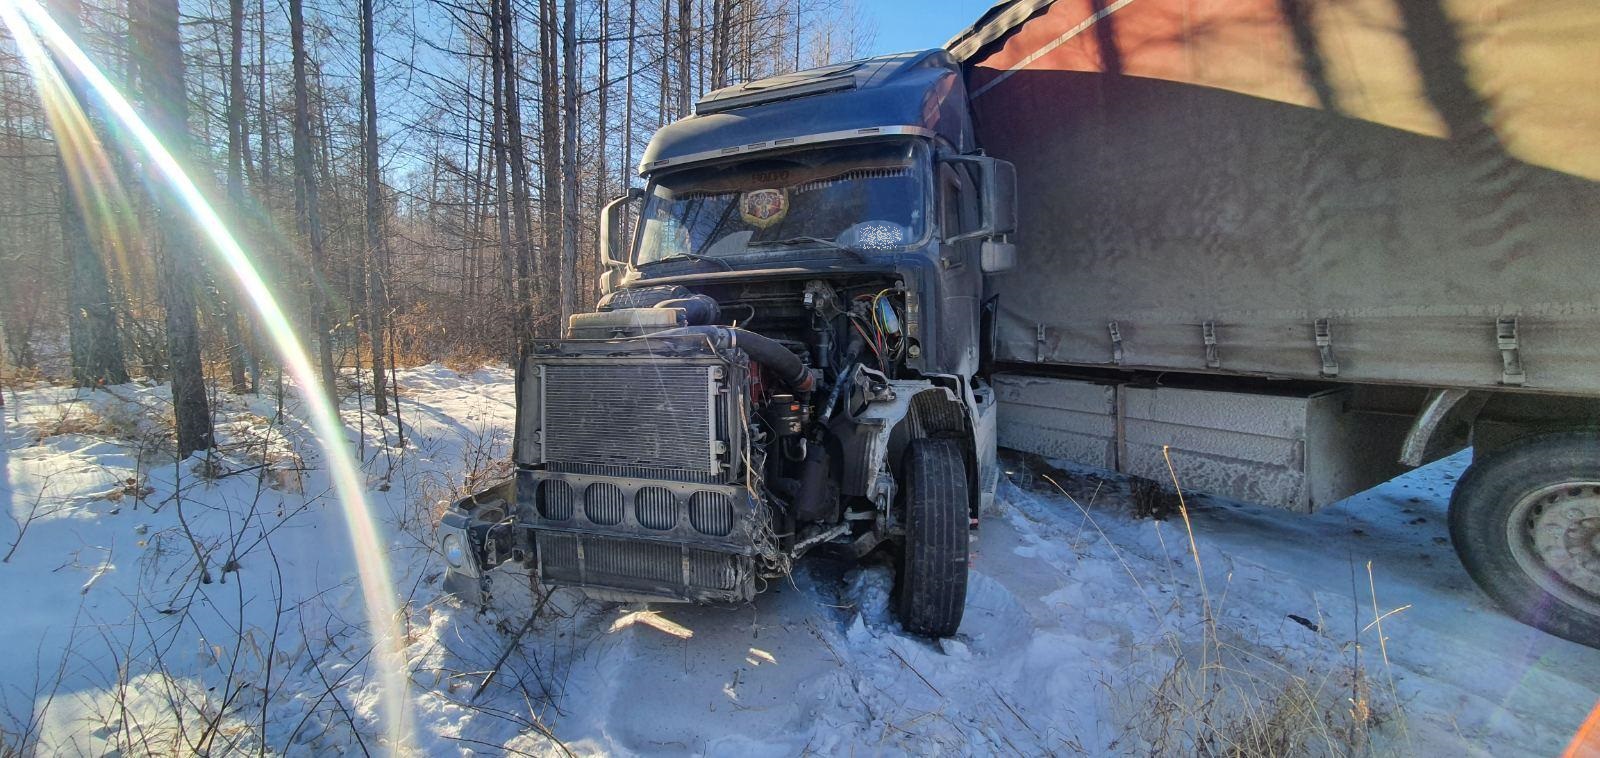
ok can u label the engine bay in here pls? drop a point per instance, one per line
(808, 342)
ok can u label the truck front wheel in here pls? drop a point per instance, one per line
(1525, 521)
(933, 574)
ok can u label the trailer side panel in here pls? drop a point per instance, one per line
(1367, 191)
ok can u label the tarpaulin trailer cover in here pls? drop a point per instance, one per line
(1397, 191)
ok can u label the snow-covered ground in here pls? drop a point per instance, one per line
(1087, 630)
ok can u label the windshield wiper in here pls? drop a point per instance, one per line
(808, 240)
(692, 257)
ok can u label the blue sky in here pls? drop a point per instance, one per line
(918, 24)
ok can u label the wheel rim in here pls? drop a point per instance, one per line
(1554, 534)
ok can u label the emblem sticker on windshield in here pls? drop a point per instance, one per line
(764, 207)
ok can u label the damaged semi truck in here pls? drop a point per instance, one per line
(786, 355)
(1292, 248)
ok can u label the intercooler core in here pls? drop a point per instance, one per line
(628, 473)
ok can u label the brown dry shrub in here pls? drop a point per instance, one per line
(467, 360)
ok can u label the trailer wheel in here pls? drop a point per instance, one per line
(1525, 521)
(933, 572)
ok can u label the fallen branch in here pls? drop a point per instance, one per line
(495, 669)
(914, 670)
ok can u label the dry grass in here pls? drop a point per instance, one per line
(1152, 500)
(15, 379)
(466, 361)
(1231, 699)
(485, 462)
(116, 421)
(1209, 690)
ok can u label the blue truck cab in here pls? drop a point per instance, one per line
(787, 355)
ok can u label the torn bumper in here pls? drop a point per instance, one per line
(640, 538)
(613, 537)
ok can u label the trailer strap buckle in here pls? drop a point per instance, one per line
(1208, 331)
(1505, 332)
(1116, 343)
(1324, 338)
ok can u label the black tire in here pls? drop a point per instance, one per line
(933, 572)
(1525, 521)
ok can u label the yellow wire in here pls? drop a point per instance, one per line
(878, 322)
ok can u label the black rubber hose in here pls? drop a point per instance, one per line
(786, 367)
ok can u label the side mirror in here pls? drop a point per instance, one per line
(996, 181)
(996, 256)
(609, 217)
(1000, 196)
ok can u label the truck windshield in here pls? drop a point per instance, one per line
(865, 198)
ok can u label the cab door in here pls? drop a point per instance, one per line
(960, 277)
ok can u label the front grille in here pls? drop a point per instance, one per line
(619, 562)
(652, 414)
(707, 513)
(555, 500)
(656, 508)
(653, 568)
(711, 513)
(602, 503)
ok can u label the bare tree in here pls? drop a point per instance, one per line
(460, 251)
(236, 149)
(550, 192)
(603, 175)
(500, 169)
(663, 86)
(91, 321)
(377, 300)
(517, 162)
(685, 80)
(307, 210)
(628, 95)
(569, 165)
(156, 25)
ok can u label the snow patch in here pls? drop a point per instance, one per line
(1081, 620)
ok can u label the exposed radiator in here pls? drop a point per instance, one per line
(636, 414)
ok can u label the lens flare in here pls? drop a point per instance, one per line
(25, 18)
(91, 180)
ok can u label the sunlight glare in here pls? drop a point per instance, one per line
(372, 566)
